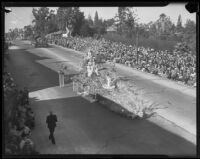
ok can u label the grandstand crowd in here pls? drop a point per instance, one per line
(178, 65)
(19, 119)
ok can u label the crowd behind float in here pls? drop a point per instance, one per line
(20, 119)
(178, 65)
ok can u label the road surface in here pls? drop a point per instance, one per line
(84, 127)
(179, 100)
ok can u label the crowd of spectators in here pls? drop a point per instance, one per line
(178, 65)
(19, 119)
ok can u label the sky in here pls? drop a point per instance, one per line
(22, 16)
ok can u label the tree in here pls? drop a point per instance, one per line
(163, 27)
(109, 22)
(86, 30)
(12, 34)
(99, 25)
(189, 35)
(28, 31)
(179, 24)
(40, 21)
(190, 27)
(130, 21)
(70, 16)
(162, 22)
(90, 21)
(51, 22)
(120, 18)
(101, 28)
(172, 32)
(126, 20)
(96, 19)
(143, 30)
(78, 21)
(64, 16)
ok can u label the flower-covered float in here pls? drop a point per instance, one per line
(98, 80)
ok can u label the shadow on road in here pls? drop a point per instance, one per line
(81, 123)
(28, 73)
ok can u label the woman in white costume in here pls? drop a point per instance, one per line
(62, 76)
(60, 73)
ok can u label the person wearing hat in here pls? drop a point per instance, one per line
(51, 120)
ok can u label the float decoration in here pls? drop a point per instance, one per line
(93, 81)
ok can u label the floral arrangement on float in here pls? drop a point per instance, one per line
(105, 86)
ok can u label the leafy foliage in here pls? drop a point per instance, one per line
(154, 34)
(70, 16)
(28, 32)
(40, 21)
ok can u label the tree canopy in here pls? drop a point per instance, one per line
(126, 23)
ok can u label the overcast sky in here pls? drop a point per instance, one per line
(22, 16)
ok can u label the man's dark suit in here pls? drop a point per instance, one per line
(51, 123)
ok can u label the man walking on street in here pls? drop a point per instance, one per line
(51, 123)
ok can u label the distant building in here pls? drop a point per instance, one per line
(178, 33)
(112, 29)
(55, 34)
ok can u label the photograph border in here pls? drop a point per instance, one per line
(96, 4)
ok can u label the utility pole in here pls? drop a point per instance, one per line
(137, 37)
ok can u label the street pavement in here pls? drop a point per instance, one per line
(178, 100)
(84, 127)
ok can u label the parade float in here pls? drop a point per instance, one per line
(99, 82)
(40, 41)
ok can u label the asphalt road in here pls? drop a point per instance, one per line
(84, 127)
(179, 101)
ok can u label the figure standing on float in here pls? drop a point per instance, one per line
(62, 73)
